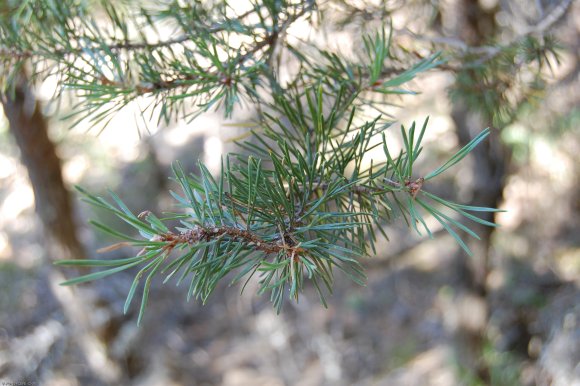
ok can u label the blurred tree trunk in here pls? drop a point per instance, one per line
(53, 205)
(468, 21)
(488, 174)
(38, 154)
(475, 26)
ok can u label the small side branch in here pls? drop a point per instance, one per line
(252, 240)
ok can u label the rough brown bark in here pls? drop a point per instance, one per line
(38, 153)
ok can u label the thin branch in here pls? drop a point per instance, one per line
(268, 41)
(251, 239)
(128, 46)
(490, 52)
(549, 20)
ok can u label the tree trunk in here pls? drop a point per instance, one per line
(488, 175)
(38, 154)
(472, 24)
(53, 205)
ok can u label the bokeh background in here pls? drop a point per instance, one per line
(429, 315)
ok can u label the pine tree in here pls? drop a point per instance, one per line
(298, 200)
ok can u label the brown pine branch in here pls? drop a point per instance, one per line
(286, 242)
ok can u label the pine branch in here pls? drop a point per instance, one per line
(188, 81)
(286, 221)
(14, 52)
(300, 200)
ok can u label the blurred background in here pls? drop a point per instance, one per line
(429, 315)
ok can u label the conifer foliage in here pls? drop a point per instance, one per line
(300, 199)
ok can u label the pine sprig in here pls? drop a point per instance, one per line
(302, 198)
(108, 68)
(281, 218)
